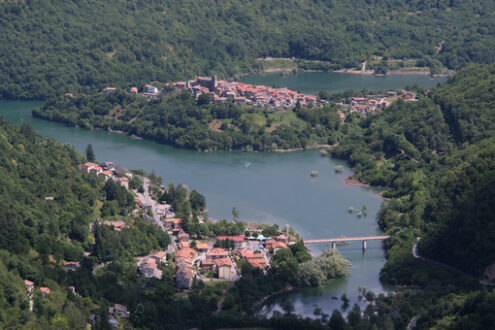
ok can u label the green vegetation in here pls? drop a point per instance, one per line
(37, 234)
(47, 206)
(436, 158)
(330, 264)
(178, 120)
(50, 48)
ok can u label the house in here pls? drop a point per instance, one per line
(84, 168)
(179, 85)
(160, 256)
(217, 253)
(109, 90)
(117, 225)
(124, 182)
(105, 175)
(96, 170)
(255, 258)
(119, 311)
(183, 245)
(72, 289)
(184, 277)
(176, 231)
(71, 266)
(183, 237)
(109, 166)
(150, 89)
(186, 253)
(122, 171)
(173, 222)
(202, 247)
(239, 100)
(237, 239)
(149, 268)
(208, 264)
(274, 245)
(29, 285)
(134, 90)
(44, 290)
(224, 268)
(217, 99)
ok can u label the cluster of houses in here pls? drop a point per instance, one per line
(371, 104)
(204, 260)
(222, 91)
(107, 171)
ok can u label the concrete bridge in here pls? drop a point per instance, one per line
(334, 241)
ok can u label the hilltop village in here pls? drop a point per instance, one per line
(209, 259)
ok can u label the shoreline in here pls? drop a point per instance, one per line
(273, 294)
(316, 146)
(351, 181)
(349, 71)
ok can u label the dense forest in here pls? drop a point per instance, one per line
(58, 46)
(178, 119)
(436, 159)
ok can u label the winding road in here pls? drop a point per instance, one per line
(418, 256)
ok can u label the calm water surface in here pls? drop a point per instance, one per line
(333, 82)
(265, 187)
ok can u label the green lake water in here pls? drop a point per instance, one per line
(334, 82)
(264, 187)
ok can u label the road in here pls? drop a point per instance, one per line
(418, 256)
(146, 200)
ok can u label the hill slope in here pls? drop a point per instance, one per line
(57, 46)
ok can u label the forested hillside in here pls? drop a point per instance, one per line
(57, 46)
(436, 158)
(179, 120)
(46, 206)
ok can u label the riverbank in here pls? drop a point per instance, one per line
(316, 146)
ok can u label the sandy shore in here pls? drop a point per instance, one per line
(350, 181)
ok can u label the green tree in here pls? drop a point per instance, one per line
(90, 154)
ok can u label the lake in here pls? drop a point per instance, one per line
(334, 82)
(264, 187)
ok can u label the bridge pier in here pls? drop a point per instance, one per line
(334, 245)
(364, 245)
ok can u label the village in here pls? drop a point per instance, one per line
(372, 103)
(209, 259)
(222, 92)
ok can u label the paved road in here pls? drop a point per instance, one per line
(148, 201)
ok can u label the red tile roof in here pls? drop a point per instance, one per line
(232, 238)
(223, 262)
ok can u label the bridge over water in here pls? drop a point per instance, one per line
(334, 241)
